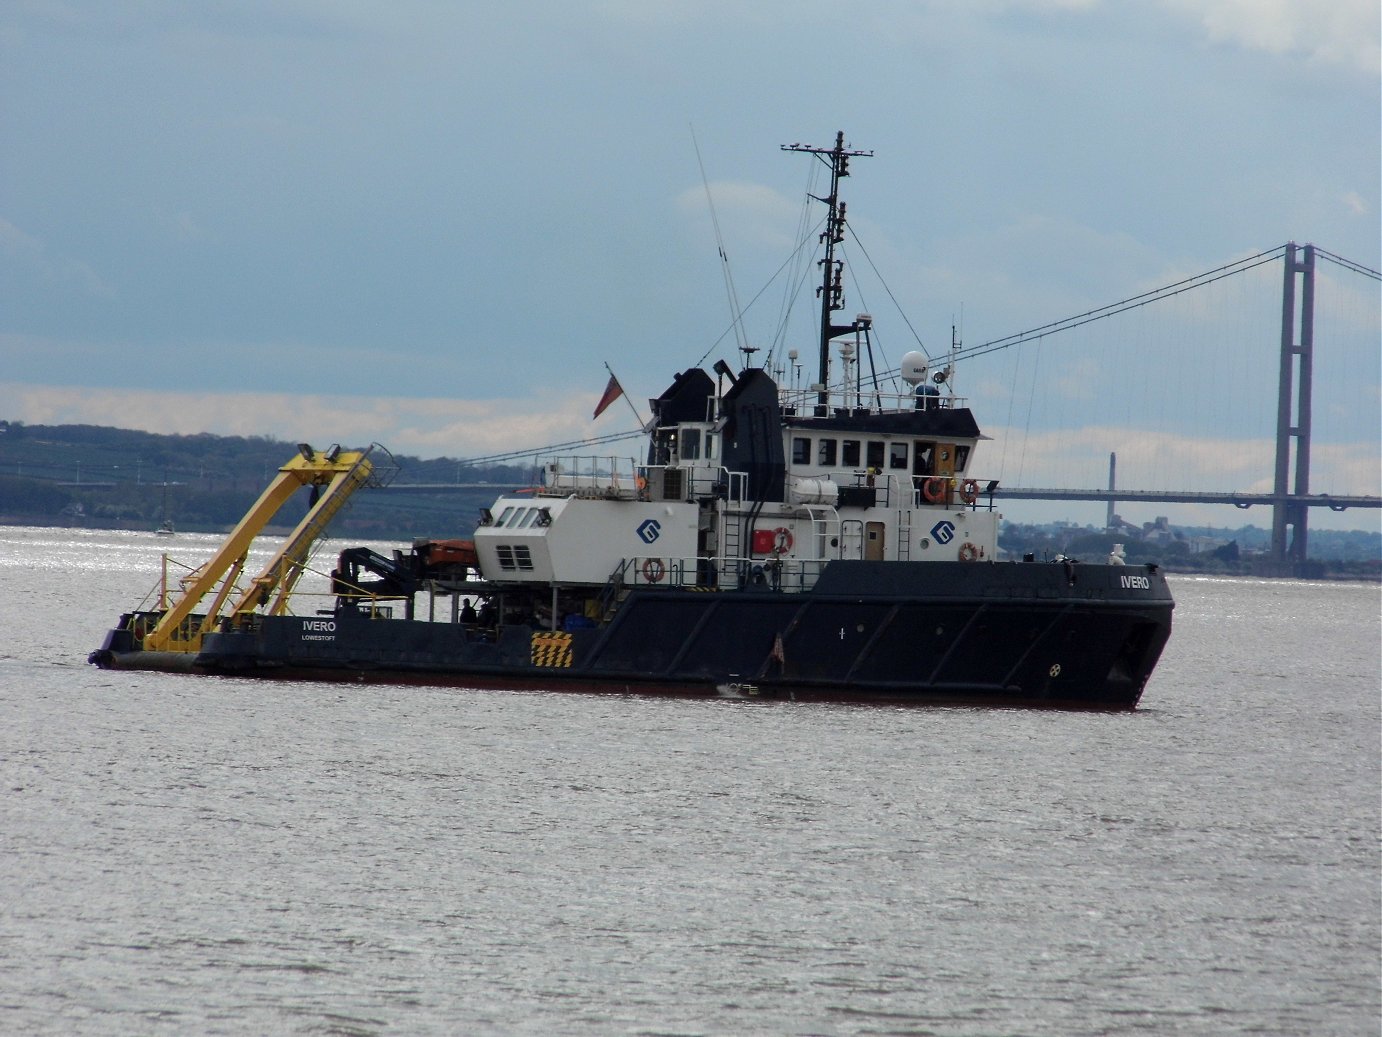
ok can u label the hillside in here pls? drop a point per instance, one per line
(114, 478)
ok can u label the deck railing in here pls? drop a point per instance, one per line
(625, 478)
(804, 401)
(788, 575)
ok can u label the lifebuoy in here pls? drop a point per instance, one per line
(969, 491)
(782, 542)
(968, 552)
(653, 570)
(934, 490)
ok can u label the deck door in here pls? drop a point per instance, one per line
(873, 541)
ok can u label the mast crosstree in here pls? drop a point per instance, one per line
(831, 290)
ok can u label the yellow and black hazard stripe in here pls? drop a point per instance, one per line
(551, 648)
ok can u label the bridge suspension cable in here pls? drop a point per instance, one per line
(1348, 264)
(1133, 302)
(993, 345)
(514, 455)
(1124, 305)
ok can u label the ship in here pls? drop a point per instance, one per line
(777, 539)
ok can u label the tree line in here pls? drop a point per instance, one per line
(119, 478)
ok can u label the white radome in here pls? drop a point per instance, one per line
(914, 367)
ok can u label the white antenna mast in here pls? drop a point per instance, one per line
(735, 314)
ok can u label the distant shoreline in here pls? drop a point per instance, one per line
(1257, 569)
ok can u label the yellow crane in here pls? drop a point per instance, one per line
(335, 474)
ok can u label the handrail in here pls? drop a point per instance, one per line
(803, 401)
(966, 491)
(706, 572)
(625, 478)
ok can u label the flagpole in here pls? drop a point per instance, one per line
(627, 398)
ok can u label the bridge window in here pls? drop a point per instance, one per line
(826, 453)
(897, 455)
(690, 444)
(513, 557)
(664, 446)
(875, 456)
(961, 457)
(712, 446)
(923, 457)
(849, 453)
(504, 516)
(801, 450)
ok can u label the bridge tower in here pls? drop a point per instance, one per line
(1297, 359)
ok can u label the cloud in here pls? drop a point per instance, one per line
(1339, 32)
(750, 215)
(1011, 262)
(179, 225)
(15, 242)
(424, 427)
(1038, 6)
(1078, 458)
(1355, 203)
(1075, 382)
(21, 251)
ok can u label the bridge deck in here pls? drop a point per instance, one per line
(1333, 501)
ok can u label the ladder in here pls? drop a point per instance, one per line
(731, 541)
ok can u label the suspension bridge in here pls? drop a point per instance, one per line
(1255, 384)
(1290, 498)
(1197, 377)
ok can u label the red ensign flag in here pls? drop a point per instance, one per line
(612, 392)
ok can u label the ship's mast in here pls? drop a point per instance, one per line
(831, 290)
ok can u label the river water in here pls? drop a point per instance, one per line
(198, 855)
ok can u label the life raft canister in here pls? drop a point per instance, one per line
(653, 570)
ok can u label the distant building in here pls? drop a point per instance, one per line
(1204, 544)
(1158, 532)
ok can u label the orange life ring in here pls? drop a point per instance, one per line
(934, 490)
(969, 491)
(782, 540)
(968, 552)
(653, 570)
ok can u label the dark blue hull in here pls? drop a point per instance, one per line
(1062, 635)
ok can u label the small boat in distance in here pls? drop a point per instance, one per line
(165, 528)
(827, 541)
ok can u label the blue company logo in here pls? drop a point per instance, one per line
(943, 531)
(649, 531)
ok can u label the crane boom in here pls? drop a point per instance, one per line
(337, 474)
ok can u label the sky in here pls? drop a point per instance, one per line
(431, 224)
